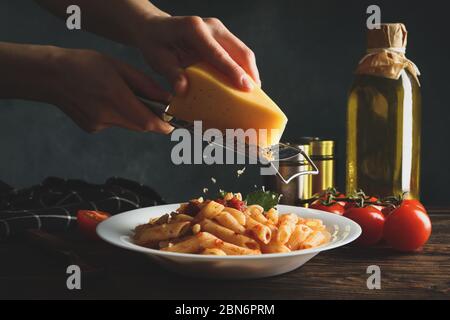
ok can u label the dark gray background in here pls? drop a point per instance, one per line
(306, 53)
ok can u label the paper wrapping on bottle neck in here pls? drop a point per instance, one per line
(387, 63)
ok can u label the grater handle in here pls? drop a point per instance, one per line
(158, 108)
(314, 170)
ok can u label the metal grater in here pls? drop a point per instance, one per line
(278, 153)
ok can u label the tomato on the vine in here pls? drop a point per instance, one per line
(333, 207)
(342, 203)
(407, 228)
(413, 202)
(371, 221)
(88, 221)
(388, 209)
(405, 202)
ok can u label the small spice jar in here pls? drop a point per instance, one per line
(322, 154)
(304, 187)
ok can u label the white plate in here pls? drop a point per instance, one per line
(117, 230)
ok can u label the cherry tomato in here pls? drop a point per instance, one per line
(371, 221)
(342, 203)
(236, 204)
(354, 204)
(407, 228)
(387, 210)
(88, 221)
(333, 207)
(350, 204)
(374, 199)
(414, 202)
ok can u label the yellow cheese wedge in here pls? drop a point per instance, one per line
(214, 100)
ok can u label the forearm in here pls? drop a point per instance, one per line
(28, 71)
(118, 20)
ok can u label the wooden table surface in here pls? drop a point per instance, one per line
(30, 272)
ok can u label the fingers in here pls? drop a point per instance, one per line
(134, 111)
(211, 51)
(130, 108)
(141, 84)
(235, 48)
(169, 66)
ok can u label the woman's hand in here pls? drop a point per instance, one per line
(97, 92)
(170, 44)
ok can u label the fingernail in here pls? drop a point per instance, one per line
(246, 82)
(167, 128)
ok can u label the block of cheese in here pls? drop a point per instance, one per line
(214, 100)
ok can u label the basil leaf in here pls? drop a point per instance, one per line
(266, 199)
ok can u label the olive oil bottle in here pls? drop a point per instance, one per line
(384, 117)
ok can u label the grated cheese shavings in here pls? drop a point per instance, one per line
(240, 172)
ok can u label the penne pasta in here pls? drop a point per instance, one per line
(190, 245)
(327, 236)
(287, 225)
(161, 232)
(207, 240)
(228, 221)
(262, 232)
(315, 224)
(209, 211)
(274, 247)
(255, 207)
(171, 242)
(314, 240)
(238, 215)
(228, 235)
(182, 217)
(210, 228)
(272, 215)
(234, 250)
(301, 232)
(257, 213)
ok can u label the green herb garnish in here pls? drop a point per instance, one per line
(221, 194)
(266, 199)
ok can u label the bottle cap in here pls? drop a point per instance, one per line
(389, 35)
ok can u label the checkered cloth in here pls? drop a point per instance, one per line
(53, 205)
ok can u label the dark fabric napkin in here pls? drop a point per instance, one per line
(53, 204)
